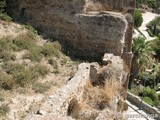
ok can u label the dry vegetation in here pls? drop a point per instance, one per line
(30, 69)
(96, 99)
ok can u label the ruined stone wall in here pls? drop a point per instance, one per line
(88, 28)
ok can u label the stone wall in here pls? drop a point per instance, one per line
(144, 106)
(86, 81)
(56, 105)
(82, 25)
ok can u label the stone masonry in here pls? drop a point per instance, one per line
(87, 28)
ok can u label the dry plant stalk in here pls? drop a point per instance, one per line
(111, 88)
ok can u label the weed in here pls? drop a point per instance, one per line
(31, 29)
(12, 68)
(7, 83)
(64, 61)
(23, 78)
(40, 70)
(49, 50)
(34, 54)
(23, 41)
(53, 62)
(111, 88)
(56, 71)
(7, 56)
(149, 101)
(5, 17)
(41, 87)
(5, 43)
(4, 109)
(1, 97)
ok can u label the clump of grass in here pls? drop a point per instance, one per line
(40, 70)
(1, 97)
(5, 44)
(56, 71)
(23, 78)
(64, 61)
(34, 54)
(23, 41)
(111, 88)
(53, 62)
(6, 81)
(57, 45)
(31, 29)
(7, 56)
(49, 50)
(19, 75)
(5, 17)
(4, 109)
(11, 68)
(41, 87)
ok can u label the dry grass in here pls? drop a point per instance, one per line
(94, 7)
(111, 88)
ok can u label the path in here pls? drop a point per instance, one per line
(134, 113)
(147, 17)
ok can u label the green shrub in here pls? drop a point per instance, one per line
(41, 87)
(150, 33)
(23, 78)
(2, 5)
(49, 50)
(6, 81)
(153, 26)
(12, 68)
(138, 19)
(53, 62)
(40, 70)
(149, 3)
(4, 109)
(64, 61)
(149, 101)
(31, 29)
(1, 97)
(151, 93)
(5, 44)
(7, 56)
(22, 41)
(34, 54)
(5, 17)
(57, 45)
(56, 71)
